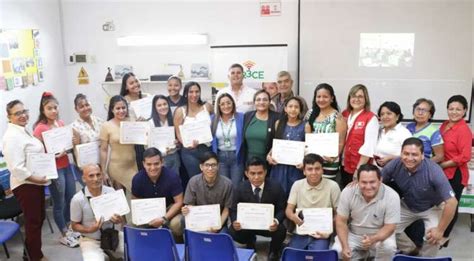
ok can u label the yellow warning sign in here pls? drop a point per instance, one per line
(83, 77)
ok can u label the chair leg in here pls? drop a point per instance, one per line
(49, 224)
(25, 252)
(6, 250)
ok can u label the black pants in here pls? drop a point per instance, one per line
(248, 237)
(457, 188)
(416, 232)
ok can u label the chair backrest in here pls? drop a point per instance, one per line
(149, 244)
(209, 246)
(308, 255)
(415, 258)
(9, 208)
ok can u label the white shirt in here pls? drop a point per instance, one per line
(370, 135)
(87, 133)
(390, 142)
(243, 99)
(17, 143)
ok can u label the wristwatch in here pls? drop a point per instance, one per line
(166, 221)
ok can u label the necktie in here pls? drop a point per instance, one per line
(256, 194)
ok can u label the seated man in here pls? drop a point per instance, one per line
(82, 217)
(209, 188)
(312, 192)
(423, 187)
(372, 210)
(157, 181)
(258, 190)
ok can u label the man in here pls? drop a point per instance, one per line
(209, 188)
(82, 217)
(372, 210)
(285, 86)
(423, 188)
(258, 190)
(311, 192)
(243, 95)
(157, 181)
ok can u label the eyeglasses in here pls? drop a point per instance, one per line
(421, 110)
(19, 113)
(210, 165)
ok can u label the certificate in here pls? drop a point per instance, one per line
(288, 152)
(145, 210)
(57, 140)
(42, 164)
(203, 218)
(315, 219)
(87, 153)
(323, 144)
(255, 216)
(198, 130)
(134, 132)
(142, 107)
(162, 138)
(109, 204)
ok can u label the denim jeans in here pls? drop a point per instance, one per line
(191, 159)
(62, 190)
(78, 174)
(172, 162)
(230, 167)
(308, 243)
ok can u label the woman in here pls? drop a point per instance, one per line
(290, 126)
(457, 138)
(391, 135)
(259, 127)
(362, 131)
(161, 116)
(64, 187)
(121, 166)
(194, 110)
(174, 98)
(28, 189)
(227, 126)
(325, 118)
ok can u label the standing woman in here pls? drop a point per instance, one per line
(174, 98)
(64, 187)
(362, 131)
(290, 126)
(227, 130)
(121, 166)
(161, 116)
(194, 110)
(325, 118)
(457, 138)
(28, 189)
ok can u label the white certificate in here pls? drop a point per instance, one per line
(42, 164)
(203, 218)
(162, 138)
(109, 204)
(198, 130)
(323, 144)
(145, 210)
(288, 152)
(255, 216)
(57, 140)
(142, 107)
(134, 132)
(87, 153)
(315, 219)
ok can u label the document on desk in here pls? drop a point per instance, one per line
(288, 152)
(87, 153)
(134, 132)
(315, 219)
(109, 204)
(142, 107)
(145, 210)
(203, 218)
(162, 138)
(323, 144)
(57, 140)
(42, 164)
(198, 130)
(255, 216)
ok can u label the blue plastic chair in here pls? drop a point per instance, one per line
(202, 246)
(400, 257)
(7, 230)
(151, 244)
(290, 253)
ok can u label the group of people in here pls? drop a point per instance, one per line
(394, 178)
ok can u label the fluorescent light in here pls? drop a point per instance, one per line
(172, 39)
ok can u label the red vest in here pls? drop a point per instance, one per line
(355, 140)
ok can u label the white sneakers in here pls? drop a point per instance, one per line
(71, 239)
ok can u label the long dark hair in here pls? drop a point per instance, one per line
(218, 114)
(279, 133)
(187, 87)
(154, 113)
(316, 110)
(46, 97)
(123, 89)
(112, 102)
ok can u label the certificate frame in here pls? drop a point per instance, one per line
(138, 133)
(323, 144)
(288, 152)
(154, 208)
(315, 219)
(58, 140)
(87, 153)
(108, 204)
(198, 130)
(42, 164)
(203, 218)
(255, 216)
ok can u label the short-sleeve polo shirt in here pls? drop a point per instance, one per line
(168, 185)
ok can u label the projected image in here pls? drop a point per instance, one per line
(386, 50)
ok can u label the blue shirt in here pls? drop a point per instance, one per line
(429, 135)
(168, 185)
(421, 190)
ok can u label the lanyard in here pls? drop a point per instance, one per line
(227, 138)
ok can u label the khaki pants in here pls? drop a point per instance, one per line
(383, 251)
(91, 251)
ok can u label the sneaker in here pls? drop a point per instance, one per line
(73, 234)
(69, 241)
